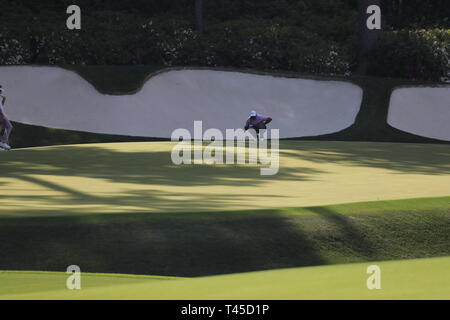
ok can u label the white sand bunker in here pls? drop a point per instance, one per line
(58, 98)
(422, 111)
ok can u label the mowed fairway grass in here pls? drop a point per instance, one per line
(126, 208)
(407, 279)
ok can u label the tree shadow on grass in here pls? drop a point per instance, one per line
(432, 159)
(210, 243)
(147, 167)
(354, 238)
(155, 170)
(158, 244)
(144, 168)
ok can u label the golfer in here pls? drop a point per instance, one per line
(5, 124)
(257, 122)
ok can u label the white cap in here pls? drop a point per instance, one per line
(253, 113)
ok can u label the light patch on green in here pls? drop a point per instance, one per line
(35, 282)
(406, 279)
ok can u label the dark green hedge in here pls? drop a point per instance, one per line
(112, 38)
(420, 54)
(307, 36)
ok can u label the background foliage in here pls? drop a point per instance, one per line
(307, 36)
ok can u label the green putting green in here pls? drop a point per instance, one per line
(408, 279)
(140, 177)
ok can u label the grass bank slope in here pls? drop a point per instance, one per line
(212, 243)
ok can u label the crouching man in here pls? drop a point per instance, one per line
(257, 122)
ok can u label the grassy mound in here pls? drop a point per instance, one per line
(211, 243)
(408, 279)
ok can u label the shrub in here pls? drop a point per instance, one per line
(110, 37)
(419, 54)
(266, 45)
(12, 50)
